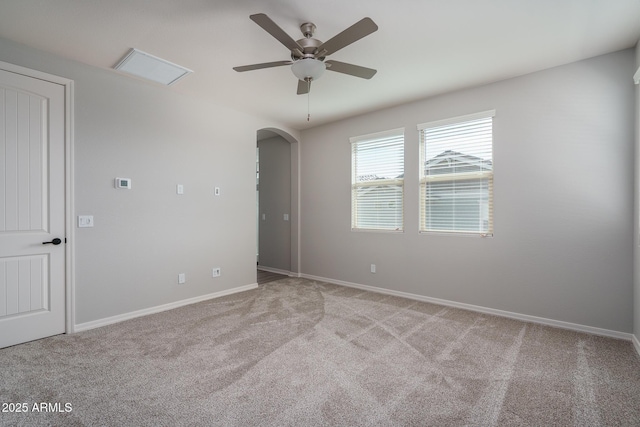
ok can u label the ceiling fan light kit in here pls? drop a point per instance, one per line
(308, 68)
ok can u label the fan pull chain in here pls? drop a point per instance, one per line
(308, 99)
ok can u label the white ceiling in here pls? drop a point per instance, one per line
(422, 47)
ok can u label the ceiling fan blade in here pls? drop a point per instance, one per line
(272, 28)
(360, 29)
(303, 87)
(352, 70)
(263, 65)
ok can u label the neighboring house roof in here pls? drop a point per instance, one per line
(441, 164)
(449, 159)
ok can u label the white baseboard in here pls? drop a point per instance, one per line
(636, 343)
(277, 271)
(126, 316)
(486, 310)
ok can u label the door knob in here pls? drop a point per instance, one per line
(55, 241)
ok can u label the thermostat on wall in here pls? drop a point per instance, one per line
(123, 183)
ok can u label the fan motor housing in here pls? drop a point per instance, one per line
(309, 49)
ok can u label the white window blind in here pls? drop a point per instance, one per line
(377, 181)
(456, 175)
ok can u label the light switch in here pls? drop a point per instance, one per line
(286, 217)
(180, 189)
(85, 221)
(216, 191)
(264, 217)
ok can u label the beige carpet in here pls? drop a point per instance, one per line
(301, 353)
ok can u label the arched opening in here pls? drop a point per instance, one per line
(277, 202)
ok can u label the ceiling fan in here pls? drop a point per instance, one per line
(308, 54)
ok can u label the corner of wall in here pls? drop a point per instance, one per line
(636, 248)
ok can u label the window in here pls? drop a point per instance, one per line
(377, 181)
(456, 175)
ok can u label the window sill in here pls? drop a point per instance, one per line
(376, 230)
(457, 234)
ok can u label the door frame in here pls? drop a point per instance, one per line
(294, 217)
(69, 270)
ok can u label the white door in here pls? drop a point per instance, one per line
(32, 208)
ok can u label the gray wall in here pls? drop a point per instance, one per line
(275, 201)
(563, 153)
(144, 237)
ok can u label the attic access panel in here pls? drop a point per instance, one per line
(142, 64)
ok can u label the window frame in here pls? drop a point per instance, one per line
(424, 179)
(398, 133)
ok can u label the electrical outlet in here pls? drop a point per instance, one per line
(217, 272)
(182, 278)
(373, 268)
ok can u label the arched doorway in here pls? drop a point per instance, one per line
(277, 200)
